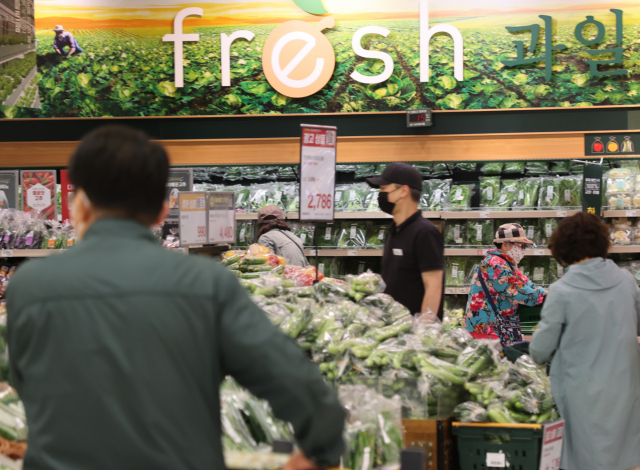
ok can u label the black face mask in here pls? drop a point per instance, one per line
(383, 202)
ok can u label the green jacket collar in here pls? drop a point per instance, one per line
(118, 228)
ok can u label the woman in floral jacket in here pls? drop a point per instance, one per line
(506, 286)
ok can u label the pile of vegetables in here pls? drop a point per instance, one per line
(249, 264)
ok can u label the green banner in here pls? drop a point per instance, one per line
(143, 58)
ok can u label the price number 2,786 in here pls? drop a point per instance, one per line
(320, 201)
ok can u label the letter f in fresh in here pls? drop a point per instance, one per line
(178, 39)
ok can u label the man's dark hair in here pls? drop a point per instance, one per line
(415, 195)
(122, 171)
(579, 237)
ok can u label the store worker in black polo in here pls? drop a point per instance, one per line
(413, 259)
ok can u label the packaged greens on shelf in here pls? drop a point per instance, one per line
(507, 195)
(345, 168)
(246, 230)
(547, 227)
(276, 197)
(492, 168)
(513, 168)
(556, 270)
(537, 168)
(455, 233)
(560, 167)
(305, 233)
(466, 166)
(570, 191)
(531, 229)
(540, 270)
(472, 267)
(328, 234)
(339, 197)
(577, 168)
(440, 169)
(287, 173)
(234, 173)
(489, 189)
(456, 271)
(376, 234)
(438, 194)
(424, 168)
(525, 266)
(329, 267)
(352, 235)
(480, 232)
(292, 197)
(243, 197)
(549, 192)
(259, 195)
(352, 198)
(460, 197)
(519, 197)
(365, 171)
(371, 201)
(254, 172)
(531, 192)
(424, 196)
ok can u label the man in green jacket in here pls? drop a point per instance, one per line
(118, 347)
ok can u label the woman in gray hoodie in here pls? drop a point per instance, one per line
(275, 234)
(589, 330)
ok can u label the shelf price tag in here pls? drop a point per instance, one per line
(222, 217)
(631, 213)
(449, 290)
(313, 252)
(552, 445)
(561, 213)
(462, 290)
(496, 460)
(538, 252)
(7, 254)
(193, 218)
(317, 172)
(485, 215)
(352, 253)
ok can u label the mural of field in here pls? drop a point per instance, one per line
(128, 71)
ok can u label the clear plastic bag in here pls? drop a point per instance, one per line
(352, 235)
(455, 233)
(328, 234)
(489, 189)
(480, 232)
(537, 168)
(549, 192)
(492, 168)
(547, 227)
(371, 201)
(438, 194)
(376, 235)
(470, 412)
(460, 197)
(455, 274)
(507, 196)
(513, 168)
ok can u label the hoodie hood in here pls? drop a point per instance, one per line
(595, 274)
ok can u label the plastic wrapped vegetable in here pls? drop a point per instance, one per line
(460, 197)
(353, 198)
(532, 230)
(537, 168)
(365, 171)
(466, 166)
(328, 234)
(525, 267)
(376, 235)
(424, 197)
(365, 284)
(621, 200)
(305, 232)
(441, 169)
(531, 192)
(560, 167)
(571, 191)
(513, 168)
(243, 196)
(352, 234)
(556, 270)
(424, 168)
(620, 184)
(492, 168)
(480, 232)
(292, 197)
(371, 201)
(540, 271)
(498, 413)
(549, 192)
(438, 194)
(470, 412)
(455, 233)
(507, 196)
(455, 275)
(258, 198)
(246, 230)
(489, 189)
(339, 198)
(547, 227)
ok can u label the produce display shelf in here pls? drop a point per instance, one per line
(343, 252)
(534, 214)
(621, 213)
(456, 290)
(483, 251)
(28, 253)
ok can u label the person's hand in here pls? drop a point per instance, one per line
(299, 461)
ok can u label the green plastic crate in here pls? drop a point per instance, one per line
(521, 443)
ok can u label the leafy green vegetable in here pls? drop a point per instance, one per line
(532, 230)
(489, 189)
(480, 232)
(455, 275)
(466, 166)
(549, 192)
(460, 197)
(570, 189)
(455, 233)
(556, 270)
(531, 192)
(514, 167)
(540, 270)
(352, 234)
(328, 234)
(424, 197)
(352, 198)
(547, 227)
(537, 168)
(492, 168)
(424, 168)
(560, 167)
(441, 169)
(246, 230)
(371, 201)
(305, 233)
(376, 235)
(507, 196)
(438, 194)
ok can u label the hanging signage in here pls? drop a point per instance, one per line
(39, 193)
(222, 217)
(140, 60)
(592, 188)
(9, 190)
(193, 218)
(180, 179)
(317, 172)
(66, 195)
(617, 144)
(552, 445)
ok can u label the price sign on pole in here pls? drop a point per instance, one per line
(552, 445)
(317, 172)
(193, 218)
(222, 217)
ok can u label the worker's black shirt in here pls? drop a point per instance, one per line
(410, 249)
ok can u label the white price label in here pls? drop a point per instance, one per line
(553, 435)
(7, 253)
(321, 268)
(313, 252)
(530, 232)
(538, 252)
(489, 193)
(352, 233)
(327, 233)
(454, 270)
(479, 233)
(222, 217)
(318, 173)
(456, 234)
(241, 236)
(485, 215)
(496, 460)
(482, 252)
(352, 253)
(303, 237)
(631, 213)
(462, 291)
(449, 290)
(381, 234)
(561, 213)
(538, 274)
(548, 229)
(193, 218)
(277, 196)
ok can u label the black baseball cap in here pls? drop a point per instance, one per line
(398, 173)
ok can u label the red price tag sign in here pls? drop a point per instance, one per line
(317, 172)
(222, 217)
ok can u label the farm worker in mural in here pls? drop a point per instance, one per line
(65, 39)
